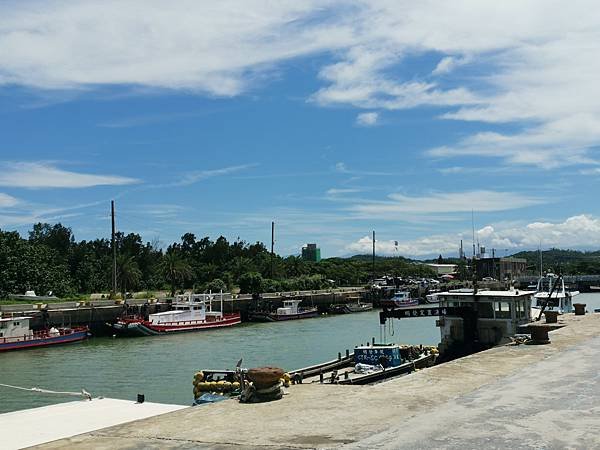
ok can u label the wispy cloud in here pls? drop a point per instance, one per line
(399, 205)
(341, 167)
(200, 175)
(6, 201)
(367, 119)
(38, 175)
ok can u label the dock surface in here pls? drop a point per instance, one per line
(526, 396)
(26, 428)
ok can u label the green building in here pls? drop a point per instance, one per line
(311, 253)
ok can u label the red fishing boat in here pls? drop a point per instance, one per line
(15, 334)
(189, 313)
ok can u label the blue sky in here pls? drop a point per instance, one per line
(330, 120)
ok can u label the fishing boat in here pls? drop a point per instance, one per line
(16, 334)
(349, 308)
(552, 292)
(189, 313)
(368, 364)
(401, 299)
(289, 311)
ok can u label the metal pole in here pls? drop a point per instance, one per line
(272, 245)
(373, 256)
(114, 250)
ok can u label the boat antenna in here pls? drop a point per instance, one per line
(473, 229)
(272, 246)
(114, 250)
(373, 256)
(541, 261)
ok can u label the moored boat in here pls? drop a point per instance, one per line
(16, 334)
(401, 299)
(289, 311)
(552, 294)
(368, 364)
(349, 308)
(189, 313)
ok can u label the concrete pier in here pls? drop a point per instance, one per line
(524, 396)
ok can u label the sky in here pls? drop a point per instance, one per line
(330, 118)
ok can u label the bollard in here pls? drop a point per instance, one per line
(346, 376)
(321, 377)
(539, 335)
(551, 316)
(373, 341)
(141, 398)
(347, 353)
(339, 356)
(579, 309)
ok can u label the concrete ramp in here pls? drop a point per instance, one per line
(20, 429)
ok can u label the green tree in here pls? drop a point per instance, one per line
(128, 273)
(175, 269)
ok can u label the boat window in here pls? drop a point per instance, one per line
(502, 310)
(486, 311)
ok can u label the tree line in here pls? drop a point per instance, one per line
(50, 259)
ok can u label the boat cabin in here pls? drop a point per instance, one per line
(561, 299)
(15, 328)
(188, 308)
(498, 316)
(290, 307)
(387, 355)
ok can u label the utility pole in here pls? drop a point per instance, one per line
(114, 250)
(272, 246)
(373, 256)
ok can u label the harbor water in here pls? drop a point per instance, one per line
(162, 367)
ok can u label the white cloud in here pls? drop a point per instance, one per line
(400, 205)
(582, 231)
(212, 47)
(367, 119)
(35, 175)
(199, 175)
(448, 64)
(6, 201)
(536, 61)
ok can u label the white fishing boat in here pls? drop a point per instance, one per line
(552, 293)
(189, 313)
(401, 299)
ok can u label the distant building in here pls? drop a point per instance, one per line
(311, 253)
(500, 268)
(443, 269)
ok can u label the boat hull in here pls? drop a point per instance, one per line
(350, 308)
(273, 317)
(76, 336)
(393, 304)
(145, 328)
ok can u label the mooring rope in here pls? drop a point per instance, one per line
(83, 392)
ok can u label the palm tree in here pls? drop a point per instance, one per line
(175, 269)
(128, 273)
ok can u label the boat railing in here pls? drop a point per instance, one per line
(41, 334)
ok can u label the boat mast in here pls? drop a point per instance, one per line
(373, 256)
(541, 270)
(114, 250)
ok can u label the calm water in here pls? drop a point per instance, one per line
(162, 367)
